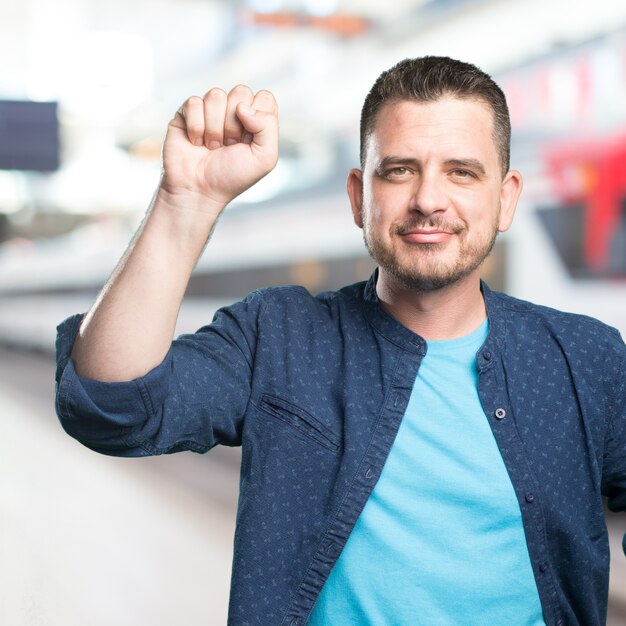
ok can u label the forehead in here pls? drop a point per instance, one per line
(449, 123)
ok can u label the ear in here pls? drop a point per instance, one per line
(509, 194)
(355, 193)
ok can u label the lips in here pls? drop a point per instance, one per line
(426, 236)
(429, 231)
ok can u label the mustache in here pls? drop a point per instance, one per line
(429, 223)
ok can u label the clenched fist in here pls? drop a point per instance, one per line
(218, 146)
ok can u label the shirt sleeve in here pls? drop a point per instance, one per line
(614, 471)
(193, 400)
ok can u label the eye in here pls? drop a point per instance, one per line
(396, 173)
(463, 176)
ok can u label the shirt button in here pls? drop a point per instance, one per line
(559, 622)
(530, 497)
(487, 355)
(500, 413)
(543, 567)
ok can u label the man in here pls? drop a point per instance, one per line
(415, 449)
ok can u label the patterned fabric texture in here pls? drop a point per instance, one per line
(314, 390)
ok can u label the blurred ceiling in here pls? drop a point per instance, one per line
(119, 70)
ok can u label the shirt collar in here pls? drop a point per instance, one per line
(390, 328)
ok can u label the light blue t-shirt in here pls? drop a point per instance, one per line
(440, 541)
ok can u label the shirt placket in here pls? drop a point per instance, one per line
(497, 407)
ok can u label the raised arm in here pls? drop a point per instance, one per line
(215, 148)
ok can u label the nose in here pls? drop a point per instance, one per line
(429, 194)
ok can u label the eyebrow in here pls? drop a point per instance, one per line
(472, 164)
(395, 161)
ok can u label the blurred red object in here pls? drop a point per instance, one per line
(592, 172)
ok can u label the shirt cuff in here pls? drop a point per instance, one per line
(110, 417)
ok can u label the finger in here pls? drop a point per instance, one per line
(192, 111)
(233, 128)
(214, 112)
(260, 121)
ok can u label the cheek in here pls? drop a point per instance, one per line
(371, 208)
(385, 203)
(378, 222)
(479, 208)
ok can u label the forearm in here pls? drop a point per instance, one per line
(129, 329)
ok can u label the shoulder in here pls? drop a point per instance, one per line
(296, 296)
(528, 321)
(289, 305)
(293, 316)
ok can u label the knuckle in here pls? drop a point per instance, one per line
(241, 91)
(189, 108)
(215, 95)
(191, 102)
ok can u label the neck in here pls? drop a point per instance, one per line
(447, 313)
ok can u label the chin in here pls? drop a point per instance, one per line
(427, 282)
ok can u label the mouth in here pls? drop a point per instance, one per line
(426, 235)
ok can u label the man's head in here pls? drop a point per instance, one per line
(430, 78)
(435, 187)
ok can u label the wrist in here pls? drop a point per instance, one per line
(184, 218)
(185, 204)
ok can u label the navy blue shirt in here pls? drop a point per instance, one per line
(314, 389)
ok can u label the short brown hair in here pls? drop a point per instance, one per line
(429, 78)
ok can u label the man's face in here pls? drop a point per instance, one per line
(431, 198)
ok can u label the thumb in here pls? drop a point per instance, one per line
(262, 125)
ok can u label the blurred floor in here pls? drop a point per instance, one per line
(88, 540)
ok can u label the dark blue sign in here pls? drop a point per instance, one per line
(29, 136)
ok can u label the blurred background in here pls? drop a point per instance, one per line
(87, 88)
